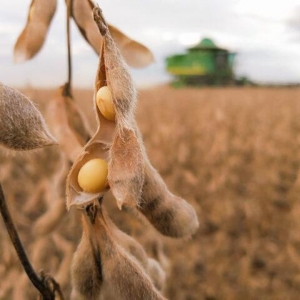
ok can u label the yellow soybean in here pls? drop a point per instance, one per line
(105, 103)
(92, 177)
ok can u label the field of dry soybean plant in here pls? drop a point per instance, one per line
(232, 153)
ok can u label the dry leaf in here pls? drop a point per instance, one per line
(34, 34)
(22, 126)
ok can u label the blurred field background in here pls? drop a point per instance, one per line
(233, 153)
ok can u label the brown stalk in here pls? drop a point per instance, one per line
(40, 283)
(99, 19)
(68, 85)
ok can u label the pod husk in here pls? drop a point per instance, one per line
(135, 54)
(101, 265)
(22, 127)
(131, 177)
(129, 244)
(125, 167)
(33, 36)
(170, 215)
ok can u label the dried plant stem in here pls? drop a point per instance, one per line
(39, 282)
(68, 17)
(99, 19)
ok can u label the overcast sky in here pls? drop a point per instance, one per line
(264, 33)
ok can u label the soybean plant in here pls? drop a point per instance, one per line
(108, 263)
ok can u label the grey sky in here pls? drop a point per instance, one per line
(265, 33)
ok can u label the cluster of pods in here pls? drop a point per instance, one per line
(115, 158)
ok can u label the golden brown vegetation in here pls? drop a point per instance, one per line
(232, 153)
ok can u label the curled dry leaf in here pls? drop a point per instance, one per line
(34, 34)
(22, 126)
(101, 266)
(135, 54)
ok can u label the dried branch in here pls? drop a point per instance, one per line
(41, 283)
(68, 86)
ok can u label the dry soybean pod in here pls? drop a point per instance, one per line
(127, 242)
(169, 214)
(126, 171)
(34, 34)
(22, 126)
(135, 54)
(134, 248)
(112, 75)
(86, 270)
(96, 148)
(121, 276)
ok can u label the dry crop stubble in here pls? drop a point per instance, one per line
(237, 163)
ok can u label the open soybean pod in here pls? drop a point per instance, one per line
(116, 139)
(96, 148)
(22, 126)
(34, 34)
(125, 169)
(119, 276)
(135, 54)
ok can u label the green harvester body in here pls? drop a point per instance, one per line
(203, 64)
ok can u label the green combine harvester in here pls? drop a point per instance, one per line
(203, 64)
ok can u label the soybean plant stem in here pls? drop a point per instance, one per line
(100, 21)
(38, 282)
(69, 11)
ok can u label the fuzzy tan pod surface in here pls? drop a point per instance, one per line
(115, 141)
(169, 214)
(101, 266)
(22, 126)
(131, 178)
(34, 34)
